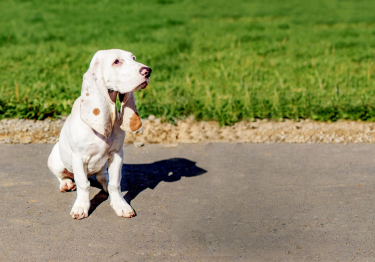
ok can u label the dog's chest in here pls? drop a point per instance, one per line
(96, 156)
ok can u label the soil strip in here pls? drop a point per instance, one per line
(21, 131)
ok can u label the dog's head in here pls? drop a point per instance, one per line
(112, 73)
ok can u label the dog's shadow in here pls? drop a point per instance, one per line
(138, 177)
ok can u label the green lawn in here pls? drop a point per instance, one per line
(217, 60)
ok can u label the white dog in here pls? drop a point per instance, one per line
(92, 137)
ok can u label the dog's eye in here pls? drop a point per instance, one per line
(116, 62)
(134, 58)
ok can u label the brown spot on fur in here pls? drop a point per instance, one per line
(96, 111)
(87, 94)
(135, 122)
(68, 174)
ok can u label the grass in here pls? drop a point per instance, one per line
(217, 60)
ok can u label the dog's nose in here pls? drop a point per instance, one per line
(145, 71)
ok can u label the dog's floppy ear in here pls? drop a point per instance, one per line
(129, 119)
(97, 109)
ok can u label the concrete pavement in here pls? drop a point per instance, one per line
(213, 202)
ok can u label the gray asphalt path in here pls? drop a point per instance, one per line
(214, 202)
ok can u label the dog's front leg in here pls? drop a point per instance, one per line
(118, 203)
(82, 204)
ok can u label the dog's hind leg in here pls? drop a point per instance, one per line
(102, 177)
(58, 169)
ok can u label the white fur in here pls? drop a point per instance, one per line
(91, 139)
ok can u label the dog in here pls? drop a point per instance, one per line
(92, 137)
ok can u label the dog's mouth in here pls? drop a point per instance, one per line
(142, 86)
(113, 94)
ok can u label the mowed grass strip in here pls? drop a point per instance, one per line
(217, 60)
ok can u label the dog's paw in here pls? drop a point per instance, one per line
(123, 209)
(86, 158)
(80, 211)
(67, 185)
